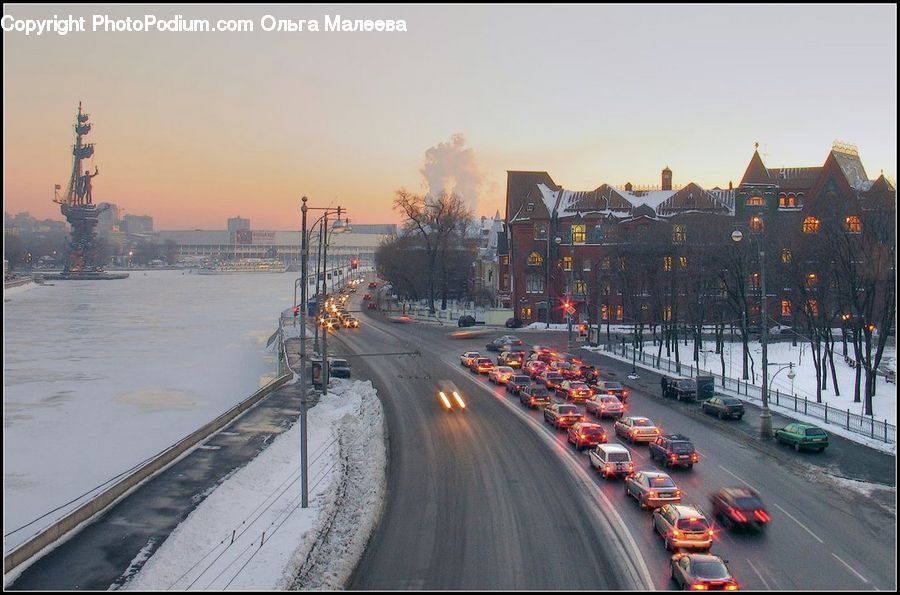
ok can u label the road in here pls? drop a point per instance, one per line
(495, 498)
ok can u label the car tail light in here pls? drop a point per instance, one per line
(762, 515)
(698, 587)
(731, 587)
(695, 457)
(583, 436)
(677, 493)
(673, 457)
(676, 533)
(608, 467)
(651, 494)
(712, 533)
(631, 466)
(738, 515)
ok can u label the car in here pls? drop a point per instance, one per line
(500, 374)
(674, 449)
(560, 415)
(801, 435)
(572, 390)
(372, 306)
(534, 367)
(560, 366)
(517, 382)
(534, 395)
(350, 322)
(683, 389)
(466, 320)
(468, 357)
(331, 323)
(512, 340)
(636, 429)
(367, 296)
(501, 343)
(605, 406)
(585, 433)
(652, 489)
(495, 345)
(373, 285)
(611, 459)
(550, 379)
(682, 526)
(482, 365)
(583, 372)
(723, 407)
(702, 572)
(570, 358)
(513, 359)
(611, 388)
(402, 318)
(338, 368)
(513, 322)
(739, 507)
(451, 400)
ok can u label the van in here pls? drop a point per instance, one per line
(612, 459)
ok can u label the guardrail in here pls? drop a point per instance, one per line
(102, 501)
(860, 424)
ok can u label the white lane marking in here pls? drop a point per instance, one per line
(759, 574)
(737, 478)
(799, 523)
(850, 568)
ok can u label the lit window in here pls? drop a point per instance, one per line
(811, 280)
(579, 234)
(504, 260)
(679, 234)
(567, 263)
(667, 263)
(667, 313)
(785, 307)
(853, 224)
(618, 312)
(756, 201)
(810, 225)
(754, 280)
(756, 224)
(682, 262)
(586, 264)
(526, 311)
(786, 255)
(535, 259)
(782, 200)
(604, 312)
(581, 287)
(723, 288)
(791, 200)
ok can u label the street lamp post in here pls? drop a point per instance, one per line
(765, 417)
(304, 257)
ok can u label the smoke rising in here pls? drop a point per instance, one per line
(450, 167)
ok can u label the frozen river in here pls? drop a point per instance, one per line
(99, 376)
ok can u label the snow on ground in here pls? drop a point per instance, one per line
(320, 544)
(11, 291)
(101, 375)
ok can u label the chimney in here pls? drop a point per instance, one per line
(667, 178)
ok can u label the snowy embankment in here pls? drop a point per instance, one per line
(251, 533)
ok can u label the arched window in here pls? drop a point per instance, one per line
(791, 200)
(535, 259)
(755, 201)
(756, 224)
(811, 280)
(810, 225)
(754, 280)
(579, 233)
(782, 200)
(679, 234)
(785, 307)
(667, 263)
(853, 224)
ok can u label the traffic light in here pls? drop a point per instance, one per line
(296, 310)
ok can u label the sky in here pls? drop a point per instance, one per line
(193, 128)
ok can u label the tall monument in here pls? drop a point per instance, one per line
(82, 259)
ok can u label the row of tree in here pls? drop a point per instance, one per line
(25, 251)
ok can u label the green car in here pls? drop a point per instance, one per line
(803, 436)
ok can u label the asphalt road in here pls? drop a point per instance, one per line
(495, 498)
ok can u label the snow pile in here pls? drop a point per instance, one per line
(252, 534)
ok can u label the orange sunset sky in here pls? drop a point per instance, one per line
(193, 128)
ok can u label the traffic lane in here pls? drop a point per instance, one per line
(777, 566)
(489, 483)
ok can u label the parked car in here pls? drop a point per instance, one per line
(723, 407)
(801, 435)
(466, 320)
(572, 390)
(339, 368)
(500, 374)
(702, 572)
(534, 395)
(560, 415)
(652, 489)
(605, 406)
(611, 459)
(739, 507)
(683, 389)
(682, 526)
(585, 433)
(611, 388)
(636, 429)
(517, 382)
(674, 449)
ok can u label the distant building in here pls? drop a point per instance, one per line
(386, 229)
(108, 219)
(238, 224)
(137, 223)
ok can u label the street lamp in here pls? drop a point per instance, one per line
(765, 417)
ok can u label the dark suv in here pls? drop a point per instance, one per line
(534, 395)
(517, 382)
(674, 449)
(683, 389)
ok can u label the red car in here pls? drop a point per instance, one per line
(585, 433)
(373, 285)
(534, 368)
(367, 297)
(372, 306)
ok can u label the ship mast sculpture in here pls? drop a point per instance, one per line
(83, 259)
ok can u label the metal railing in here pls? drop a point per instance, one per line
(861, 424)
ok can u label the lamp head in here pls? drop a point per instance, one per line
(736, 235)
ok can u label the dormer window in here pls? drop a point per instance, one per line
(535, 259)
